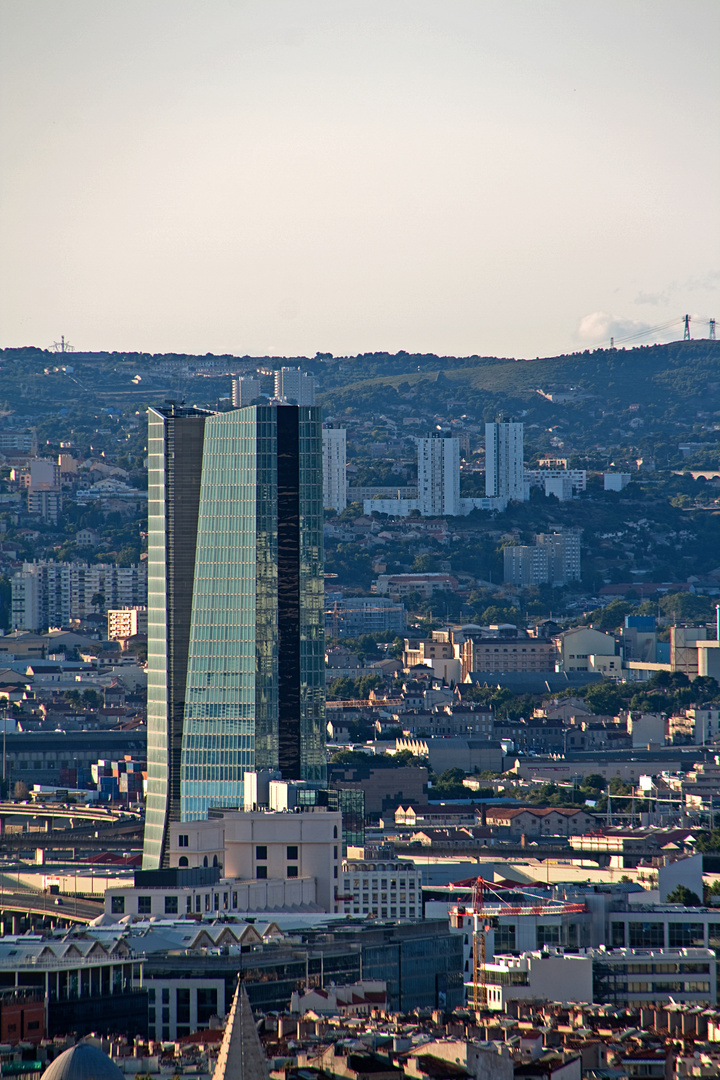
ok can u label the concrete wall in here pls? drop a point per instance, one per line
(238, 839)
(481, 1062)
(647, 729)
(688, 872)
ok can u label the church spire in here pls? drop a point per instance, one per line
(241, 1054)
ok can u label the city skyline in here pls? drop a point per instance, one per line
(504, 178)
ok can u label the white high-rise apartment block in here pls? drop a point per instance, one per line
(525, 564)
(563, 554)
(334, 474)
(49, 593)
(295, 386)
(245, 390)
(504, 470)
(438, 476)
(554, 560)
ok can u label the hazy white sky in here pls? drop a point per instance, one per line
(509, 177)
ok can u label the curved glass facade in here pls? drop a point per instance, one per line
(236, 677)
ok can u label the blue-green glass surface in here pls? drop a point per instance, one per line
(231, 697)
(213, 642)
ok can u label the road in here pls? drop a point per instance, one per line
(26, 902)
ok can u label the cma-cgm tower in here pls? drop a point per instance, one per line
(236, 678)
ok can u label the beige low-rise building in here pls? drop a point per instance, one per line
(576, 646)
(508, 650)
(455, 1057)
(124, 623)
(376, 884)
(222, 896)
(541, 821)
(646, 729)
(405, 584)
(420, 650)
(258, 845)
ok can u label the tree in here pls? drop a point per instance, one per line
(20, 791)
(593, 782)
(128, 556)
(366, 683)
(603, 699)
(705, 688)
(424, 564)
(360, 730)
(449, 785)
(687, 606)
(611, 616)
(495, 614)
(405, 757)
(682, 895)
(342, 688)
(348, 757)
(98, 601)
(708, 841)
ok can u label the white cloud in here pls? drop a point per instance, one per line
(599, 327)
(657, 299)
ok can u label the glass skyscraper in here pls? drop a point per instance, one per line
(236, 670)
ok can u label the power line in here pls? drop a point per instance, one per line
(681, 320)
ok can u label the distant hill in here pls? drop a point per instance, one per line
(671, 383)
(648, 374)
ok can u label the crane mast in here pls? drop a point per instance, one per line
(479, 974)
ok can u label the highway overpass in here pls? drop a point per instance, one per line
(23, 909)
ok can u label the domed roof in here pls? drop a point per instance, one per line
(83, 1062)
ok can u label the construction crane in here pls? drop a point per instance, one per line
(478, 914)
(484, 913)
(479, 930)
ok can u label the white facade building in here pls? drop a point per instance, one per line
(554, 560)
(504, 469)
(375, 883)
(44, 473)
(563, 483)
(227, 896)
(294, 385)
(438, 476)
(631, 978)
(396, 507)
(615, 481)
(538, 975)
(262, 845)
(52, 593)
(245, 390)
(627, 978)
(126, 623)
(525, 564)
(559, 486)
(26, 601)
(438, 462)
(563, 552)
(334, 472)
(576, 646)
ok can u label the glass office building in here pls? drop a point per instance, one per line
(236, 678)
